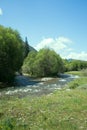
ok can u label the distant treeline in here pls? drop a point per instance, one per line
(74, 65)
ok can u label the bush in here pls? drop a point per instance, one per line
(73, 85)
(44, 63)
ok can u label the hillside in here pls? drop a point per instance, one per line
(32, 49)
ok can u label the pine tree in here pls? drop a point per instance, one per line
(27, 49)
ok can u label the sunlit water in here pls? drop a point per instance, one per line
(27, 86)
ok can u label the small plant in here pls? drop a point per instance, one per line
(8, 124)
(73, 84)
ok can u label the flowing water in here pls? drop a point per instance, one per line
(27, 86)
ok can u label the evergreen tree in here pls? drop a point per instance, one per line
(26, 46)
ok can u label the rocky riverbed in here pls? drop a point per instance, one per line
(28, 86)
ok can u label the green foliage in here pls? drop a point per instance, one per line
(44, 63)
(73, 84)
(11, 53)
(28, 66)
(8, 124)
(75, 65)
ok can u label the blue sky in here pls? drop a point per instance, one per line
(57, 24)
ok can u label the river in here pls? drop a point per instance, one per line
(27, 86)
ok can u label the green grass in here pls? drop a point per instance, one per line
(79, 73)
(65, 109)
(79, 83)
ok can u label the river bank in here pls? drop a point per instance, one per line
(57, 110)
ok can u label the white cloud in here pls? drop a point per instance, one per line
(1, 12)
(62, 46)
(78, 56)
(56, 44)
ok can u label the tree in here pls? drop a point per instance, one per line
(11, 53)
(45, 63)
(26, 47)
(28, 65)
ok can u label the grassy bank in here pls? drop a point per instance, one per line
(75, 73)
(79, 73)
(79, 83)
(63, 110)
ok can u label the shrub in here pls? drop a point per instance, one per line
(44, 63)
(74, 84)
